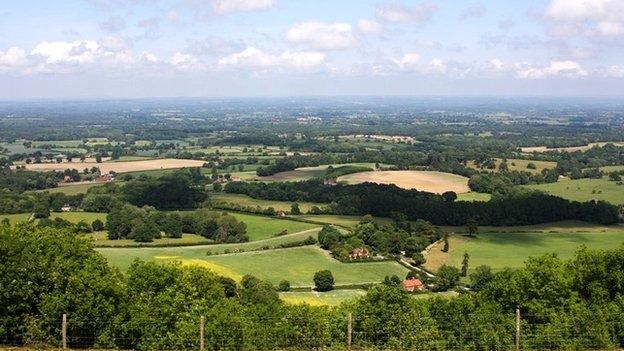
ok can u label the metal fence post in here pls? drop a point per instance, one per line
(64, 332)
(517, 329)
(201, 333)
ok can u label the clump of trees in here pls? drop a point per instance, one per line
(146, 224)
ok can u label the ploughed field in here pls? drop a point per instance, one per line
(434, 182)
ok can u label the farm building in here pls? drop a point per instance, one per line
(413, 284)
(360, 252)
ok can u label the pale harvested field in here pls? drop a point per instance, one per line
(570, 149)
(434, 182)
(119, 167)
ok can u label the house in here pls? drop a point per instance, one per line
(413, 284)
(66, 208)
(331, 181)
(360, 252)
(105, 178)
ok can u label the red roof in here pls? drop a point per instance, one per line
(412, 283)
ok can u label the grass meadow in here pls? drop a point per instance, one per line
(297, 265)
(585, 190)
(500, 250)
(245, 200)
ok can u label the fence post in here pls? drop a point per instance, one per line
(349, 330)
(201, 333)
(64, 332)
(517, 329)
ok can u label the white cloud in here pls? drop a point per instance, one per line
(112, 43)
(586, 17)
(229, 6)
(67, 52)
(322, 36)
(183, 60)
(366, 26)
(397, 12)
(407, 61)
(13, 57)
(437, 66)
(569, 69)
(254, 58)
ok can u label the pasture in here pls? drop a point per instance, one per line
(584, 190)
(434, 182)
(118, 167)
(500, 250)
(73, 188)
(518, 165)
(473, 196)
(73, 217)
(263, 227)
(297, 265)
(245, 200)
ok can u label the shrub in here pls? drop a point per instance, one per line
(284, 285)
(324, 280)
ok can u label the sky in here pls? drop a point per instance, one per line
(211, 48)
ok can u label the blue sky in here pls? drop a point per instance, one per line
(152, 48)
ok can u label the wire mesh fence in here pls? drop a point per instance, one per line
(350, 331)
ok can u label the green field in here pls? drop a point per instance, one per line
(245, 200)
(500, 250)
(472, 196)
(262, 227)
(100, 239)
(297, 265)
(73, 217)
(585, 190)
(72, 189)
(519, 165)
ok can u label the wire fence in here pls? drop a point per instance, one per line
(511, 332)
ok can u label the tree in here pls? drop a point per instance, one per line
(97, 225)
(324, 280)
(172, 225)
(464, 268)
(447, 278)
(392, 280)
(472, 226)
(41, 209)
(144, 230)
(615, 177)
(217, 186)
(481, 276)
(446, 242)
(294, 209)
(284, 285)
(449, 196)
(98, 158)
(328, 237)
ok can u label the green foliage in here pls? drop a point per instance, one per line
(97, 225)
(284, 285)
(170, 191)
(447, 278)
(324, 280)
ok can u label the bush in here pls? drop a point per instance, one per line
(324, 280)
(284, 285)
(97, 225)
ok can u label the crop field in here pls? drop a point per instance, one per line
(570, 149)
(315, 298)
(585, 189)
(245, 200)
(500, 250)
(297, 265)
(519, 165)
(305, 173)
(118, 167)
(435, 182)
